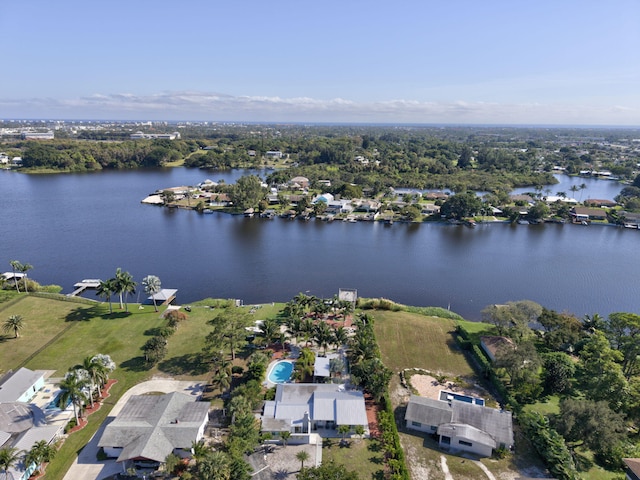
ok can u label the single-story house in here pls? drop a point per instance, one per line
(460, 425)
(21, 426)
(150, 427)
(598, 202)
(325, 197)
(586, 213)
(21, 385)
(632, 470)
(306, 408)
(299, 182)
(632, 219)
(492, 343)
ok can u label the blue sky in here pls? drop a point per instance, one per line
(407, 61)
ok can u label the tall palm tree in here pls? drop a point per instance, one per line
(152, 285)
(124, 285)
(25, 267)
(9, 456)
(15, 267)
(108, 366)
(322, 335)
(106, 288)
(340, 336)
(73, 386)
(14, 323)
(96, 371)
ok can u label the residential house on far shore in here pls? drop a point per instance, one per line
(299, 182)
(581, 214)
(461, 426)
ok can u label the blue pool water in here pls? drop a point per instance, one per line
(444, 395)
(281, 372)
(55, 403)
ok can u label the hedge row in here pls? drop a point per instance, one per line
(391, 441)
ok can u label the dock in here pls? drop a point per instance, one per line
(83, 285)
(164, 296)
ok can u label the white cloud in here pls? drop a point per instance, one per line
(191, 105)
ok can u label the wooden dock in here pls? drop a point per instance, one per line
(83, 285)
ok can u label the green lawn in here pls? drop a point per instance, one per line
(363, 456)
(411, 340)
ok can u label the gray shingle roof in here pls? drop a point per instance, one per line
(152, 426)
(466, 431)
(498, 424)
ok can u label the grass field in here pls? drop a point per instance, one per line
(410, 340)
(363, 456)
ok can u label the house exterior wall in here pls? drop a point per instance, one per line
(420, 427)
(32, 390)
(460, 443)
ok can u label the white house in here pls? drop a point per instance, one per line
(461, 426)
(21, 385)
(306, 408)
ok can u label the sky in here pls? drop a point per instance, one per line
(560, 62)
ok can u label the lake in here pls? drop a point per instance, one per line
(76, 226)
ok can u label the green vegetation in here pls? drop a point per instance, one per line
(365, 457)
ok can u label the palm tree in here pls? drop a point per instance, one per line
(25, 267)
(303, 456)
(108, 366)
(340, 336)
(41, 452)
(14, 323)
(582, 186)
(96, 371)
(15, 266)
(73, 390)
(294, 327)
(124, 285)
(215, 466)
(105, 289)
(285, 436)
(9, 456)
(199, 450)
(222, 379)
(270, 331)
(322, 335)
(152, 285)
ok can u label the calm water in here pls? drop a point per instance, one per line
(79, 226)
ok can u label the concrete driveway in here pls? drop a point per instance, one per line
(86, 466)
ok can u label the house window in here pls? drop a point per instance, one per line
(445, 440)
(466, 444)
(433, 428)
(416, 424)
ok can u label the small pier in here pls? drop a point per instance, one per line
(83, 285)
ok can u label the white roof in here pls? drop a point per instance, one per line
(19, 382)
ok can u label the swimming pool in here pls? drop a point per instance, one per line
(448, 396)
(280, 372)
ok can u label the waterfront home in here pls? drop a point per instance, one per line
(521, 199)
(307, 408)
(461, 426)
(299, 182)
(586, 213)
(21, 385)
(325, 197)
(597, 202)
(150, 427)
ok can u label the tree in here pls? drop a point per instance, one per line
(247, 192)
(229, 329)
(343, 430)
(9, 456)
(14, 323)
(215, 466)
(558, 372)
(222, 379)
(359, 430)
(200, 450)
(125, 285)
(155, 349)
(461, 205)
(96, 371)
(623, 331)
(600, 371)
(304, 366)
(108, 366)
(513, 318)
(41, 452)
(522, 363)
(285, 436)
(15, 267)
(303, 456)
(589, 423)
(323, 335)
(560, 329)
(72, 387)
(152, 285)
(24, 268)
(105, 289)
(328, 471)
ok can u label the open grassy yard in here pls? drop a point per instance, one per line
(363, 456)
(411, 340)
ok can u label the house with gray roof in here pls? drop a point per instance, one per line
(150, 427)
(460, 425)
(305, 408)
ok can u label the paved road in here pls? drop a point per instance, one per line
(86, 466)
